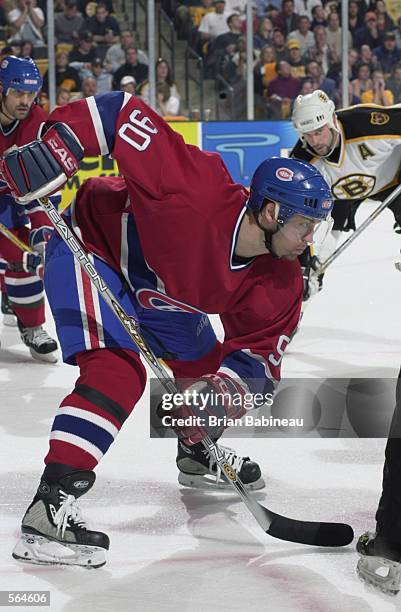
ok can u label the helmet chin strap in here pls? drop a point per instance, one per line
(268, 236)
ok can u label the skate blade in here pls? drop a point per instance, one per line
(9, 320)
(381, 573)
(208, 482)
(42, 551)
(44, 358)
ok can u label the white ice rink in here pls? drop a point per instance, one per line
(180, 550)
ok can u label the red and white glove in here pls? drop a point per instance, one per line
(41, 167)
(210, 402)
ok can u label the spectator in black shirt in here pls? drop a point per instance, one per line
(219, 44)
(394, 83)
(82, 4)
(319, 17)
(131, 68)
(387, 55)
(369, 33)
(84, 54)
(278, 42)
(67, 77)
(103, 27)
(355, 17)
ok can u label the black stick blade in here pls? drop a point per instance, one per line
(312, 533)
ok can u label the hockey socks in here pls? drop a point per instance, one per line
(111, 382)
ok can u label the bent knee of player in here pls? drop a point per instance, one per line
(116, 373)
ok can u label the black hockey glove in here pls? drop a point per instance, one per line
(313, 282)
(41, 167)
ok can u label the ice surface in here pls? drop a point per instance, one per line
(176, 549)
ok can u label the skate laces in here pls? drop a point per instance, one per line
(36, 335)
(230, 456)
(69, 509)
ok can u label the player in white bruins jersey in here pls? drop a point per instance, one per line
(358, 150)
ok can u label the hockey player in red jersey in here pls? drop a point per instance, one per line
(21, 121)
(176, 239)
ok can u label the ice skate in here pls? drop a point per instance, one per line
(41, 346)
(53, 531)
(379, 564)
(199, 470)
(9, 318)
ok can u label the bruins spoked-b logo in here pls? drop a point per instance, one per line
(379, 118)
(229, 472)
(353, 187)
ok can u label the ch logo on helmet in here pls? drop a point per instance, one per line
(284, 174)
(379, 118)
(326, 204)
(4, 64)
(322, 97)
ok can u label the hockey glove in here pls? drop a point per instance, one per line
(38, 238)
(32, 263)
(212, 400)
(313, 282)
(42, 166)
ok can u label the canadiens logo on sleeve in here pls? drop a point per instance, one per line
(379, 118)
(284, 174)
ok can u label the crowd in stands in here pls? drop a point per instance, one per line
(297, 49)
(94, 52)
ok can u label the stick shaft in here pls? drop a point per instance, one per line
(390, 198)
(13, 238)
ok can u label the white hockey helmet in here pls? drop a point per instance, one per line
(312, 112)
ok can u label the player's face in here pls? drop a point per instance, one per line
(17, 104)
(294, 236)
(320, 140)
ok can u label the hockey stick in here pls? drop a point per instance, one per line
(276, 525)
(19, 243)
(390, 198)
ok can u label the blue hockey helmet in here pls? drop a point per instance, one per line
(296, 186)
(20, 73)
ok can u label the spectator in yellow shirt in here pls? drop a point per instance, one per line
(378, 94)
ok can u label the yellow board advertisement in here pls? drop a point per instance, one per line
(104, 166)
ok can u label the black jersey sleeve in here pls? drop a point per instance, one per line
(369, 120)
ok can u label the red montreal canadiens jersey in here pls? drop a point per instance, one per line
(187, 213)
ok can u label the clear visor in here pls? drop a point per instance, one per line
(306, 231)
(18, 93)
